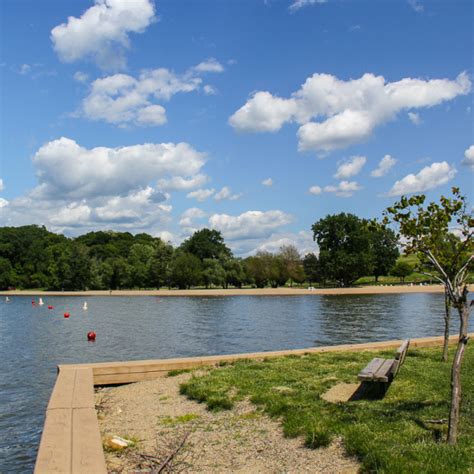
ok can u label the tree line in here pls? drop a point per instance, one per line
(33, 257)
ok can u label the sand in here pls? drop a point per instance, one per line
(362, 290)
(241, 440)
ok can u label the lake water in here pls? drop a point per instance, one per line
(33, 339)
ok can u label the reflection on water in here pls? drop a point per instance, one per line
(33, 339)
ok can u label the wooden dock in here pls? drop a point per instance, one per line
(71, 441)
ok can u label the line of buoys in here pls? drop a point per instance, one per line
(91, 335)
(66, 315)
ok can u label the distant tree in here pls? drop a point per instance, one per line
(345, 252)
(385, 251)
(257, 271)
(160, 265)
(311, 268)
(139, 260)
(213, 273)
(234, 271)
(424, 230)
(292, 262)
(185, 270)
(206, 243)
(401, 270)
(6, 274)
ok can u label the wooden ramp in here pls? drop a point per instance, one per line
(71, 441)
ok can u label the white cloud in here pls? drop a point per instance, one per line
(469, 157)
(64, 168)
(201, 194)
(416, 5)
(80, 76)
(226, 194)
(178, 183)
(268, 182)
(188, 220)
(384, 166)
(343, 189)
(333, 113)
(250, 224)
(122, 99)
(297, 4)
(350, 167)
(101, 33)
(3, 203)
(210, 65)
(24, 69)
(315, 190)
(415, 118)
(209, 90)
(428, 178)
(2, 186)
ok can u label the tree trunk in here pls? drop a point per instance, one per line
(447, 320)
(453, 428)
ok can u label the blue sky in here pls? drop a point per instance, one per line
(253, 117)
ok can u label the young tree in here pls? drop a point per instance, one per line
(345, 252)
(424, 230)
(401, 270)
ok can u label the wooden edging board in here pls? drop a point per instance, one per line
(71, 441)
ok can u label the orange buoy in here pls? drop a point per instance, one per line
(50, 307)
(66, 315)
(91, 335)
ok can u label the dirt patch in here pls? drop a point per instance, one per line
(158, 419)
(342, 392)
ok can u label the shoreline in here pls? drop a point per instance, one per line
(363, 290)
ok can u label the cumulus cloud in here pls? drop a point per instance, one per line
(226, 194)
(332, 113)
(3, 203)
(102, 32)
(414, 118)
(64, 168)
(297, 4)
(428, 178)
(469, 157)
(80, 76)
(210, 65)
(416, 5)
(268, 182)
(201, 194)
(2, 186)
(343, 189)
(315, 190)
(178, 183)
(209, 90)
(350, 167)
(250, 224)
(189, 218)
(384, 166)
(122, 99)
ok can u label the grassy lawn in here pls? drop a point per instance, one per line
(389, 435)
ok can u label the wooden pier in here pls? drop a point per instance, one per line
(71, 441)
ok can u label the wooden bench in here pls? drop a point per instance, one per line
(382, 371)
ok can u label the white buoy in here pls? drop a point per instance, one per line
(7, 299)
(40, 302)
(84, 306)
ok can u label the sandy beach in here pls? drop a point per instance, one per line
(362, 290)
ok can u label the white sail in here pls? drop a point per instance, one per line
(84, 306)
(40, 302)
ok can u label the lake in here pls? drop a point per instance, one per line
(33, 339)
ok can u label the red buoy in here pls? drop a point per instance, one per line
(50, 307)
(66, 315)
(91, 335)
(33, 302)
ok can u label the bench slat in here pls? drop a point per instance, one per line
(385, 371)
(368, 372)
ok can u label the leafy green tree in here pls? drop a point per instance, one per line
(234, 271)
(384, 249)
(345, 252)
(185, 270)
(311, 268)
(293, 264)
(213, 273)
(401, 270)
(206, 243)
(424, 230)
(257, 271)
(6, 273)
(139, 260)
(160, 265)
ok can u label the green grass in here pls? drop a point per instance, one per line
(178, 420)
(388, 436)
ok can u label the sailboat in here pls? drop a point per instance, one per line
(84, 306)
(7, 299)
(40, 302)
